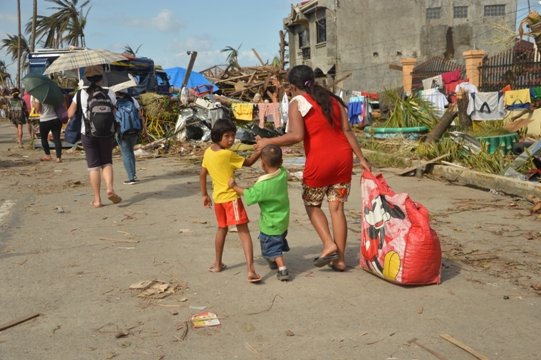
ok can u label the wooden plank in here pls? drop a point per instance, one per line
(463, 346)
(338, 81)
(424, 163)
(120, 240)
(258, 58)
(395, 67)
(517, 125)
(18, 321)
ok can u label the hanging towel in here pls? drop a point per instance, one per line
(438, 100)
(242, 111)
(355, 110)
(518, 99)
(433, 82)
(486, 106)
(284, 109)
(451, 76)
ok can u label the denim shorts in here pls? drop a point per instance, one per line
(272, 246)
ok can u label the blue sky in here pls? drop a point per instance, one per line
(168, 29)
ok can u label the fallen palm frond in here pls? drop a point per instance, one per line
(410, 112)
(488, 128)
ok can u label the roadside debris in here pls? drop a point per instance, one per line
(156, 289)
(205, 319)
(463, 346)
(414, 341)
(18, 321)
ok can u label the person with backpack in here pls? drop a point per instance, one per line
(48, 122)
(18, 114)
(97, 131)
(131, 121)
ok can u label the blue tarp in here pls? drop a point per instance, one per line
(196, 79)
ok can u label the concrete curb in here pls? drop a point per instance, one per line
(488, 181)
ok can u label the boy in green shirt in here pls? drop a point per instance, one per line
(271, 193)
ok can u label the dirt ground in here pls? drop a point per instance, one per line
(54, 261)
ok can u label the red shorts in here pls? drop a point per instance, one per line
(230, 213)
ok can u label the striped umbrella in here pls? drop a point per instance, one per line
(83, 58)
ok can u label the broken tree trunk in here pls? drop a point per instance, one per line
(464, 118)
(442, 125)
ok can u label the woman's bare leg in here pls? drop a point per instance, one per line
(95, 181)
(321, 225)
(340, 231)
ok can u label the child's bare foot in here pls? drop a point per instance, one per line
(96, 204)
(213, 268)
(58, 161)
(45, 158)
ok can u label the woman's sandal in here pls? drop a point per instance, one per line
(255, 280)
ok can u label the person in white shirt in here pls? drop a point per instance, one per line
(48, 123)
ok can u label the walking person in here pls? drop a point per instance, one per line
(131, 122)
(270, 192)
(97, 131)
(18, 114)
(27, 100)
(318, 118)
(220, 163)
(48, 123)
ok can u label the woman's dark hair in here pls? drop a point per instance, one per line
(220, 128)
(93, 80)
(302, 76)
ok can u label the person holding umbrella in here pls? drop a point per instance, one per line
(46, 97)
(98, 150)
(48, 123)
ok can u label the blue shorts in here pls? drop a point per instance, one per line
(272, 246)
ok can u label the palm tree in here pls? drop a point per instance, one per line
(34, 19)
(11, 44)
(19, 44)
(233, 56)
(4, 75)
(128, 50)
(65, 26)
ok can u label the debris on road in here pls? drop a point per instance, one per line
(156, 289)
(18, 321)
(464, 347)
(205, 319)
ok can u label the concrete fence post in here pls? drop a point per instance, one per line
(473, 59)
(407, 68)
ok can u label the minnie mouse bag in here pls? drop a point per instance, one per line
(397, 242)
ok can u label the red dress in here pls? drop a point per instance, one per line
(329, 157)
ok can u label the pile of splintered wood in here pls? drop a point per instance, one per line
(243, 83)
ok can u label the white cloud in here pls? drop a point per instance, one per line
(166, 21)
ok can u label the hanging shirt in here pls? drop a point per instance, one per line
(451, 87)
(451, 76)
(466, 86)
(433, 83)
(284, 109)
(438, 99)
(242, 111)
(486, 106)
(517, 99)
(535, 93)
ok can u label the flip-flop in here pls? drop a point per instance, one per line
(211, 269)
(335, 268)
(324, 260)
(114, 198)
(256, 280)
(95, 206)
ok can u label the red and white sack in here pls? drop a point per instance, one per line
(397, 242)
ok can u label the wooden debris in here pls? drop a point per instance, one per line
(414, 340)
(18, 321)
(463, 346)
(423, 164)
(120, 240)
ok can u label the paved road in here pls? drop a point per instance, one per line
(53, 261)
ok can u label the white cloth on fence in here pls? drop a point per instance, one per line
(486, 106)
(433, 82)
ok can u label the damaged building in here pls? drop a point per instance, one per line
(338, 37)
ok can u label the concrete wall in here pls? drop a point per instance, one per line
(365, 36)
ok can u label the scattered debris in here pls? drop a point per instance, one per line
(156, 289)
(289, 333)
(18, 321)
(205, 319)
(59, 209)
(120, 240)
(420, 310)
(197, 307)
(464, 346)
(270, 307)
(414, 340)
(253, 349)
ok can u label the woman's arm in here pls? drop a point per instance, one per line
(352, 140)
(294, 135)
(37, 105)
(72, 109)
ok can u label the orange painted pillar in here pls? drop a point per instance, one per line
(473, 58)
(407, 68)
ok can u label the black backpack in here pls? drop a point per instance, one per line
(101, 118)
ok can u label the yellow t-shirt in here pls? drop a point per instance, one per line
(221, 165)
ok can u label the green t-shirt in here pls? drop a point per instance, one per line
(270, 192)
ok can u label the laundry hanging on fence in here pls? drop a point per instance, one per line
(284, 109)
(242, 111)
(437, 98)
(451, 76)
(269, 109)
(355, 109)
(435, 82)
(466, 86)
(486, 106)
(517, 99)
